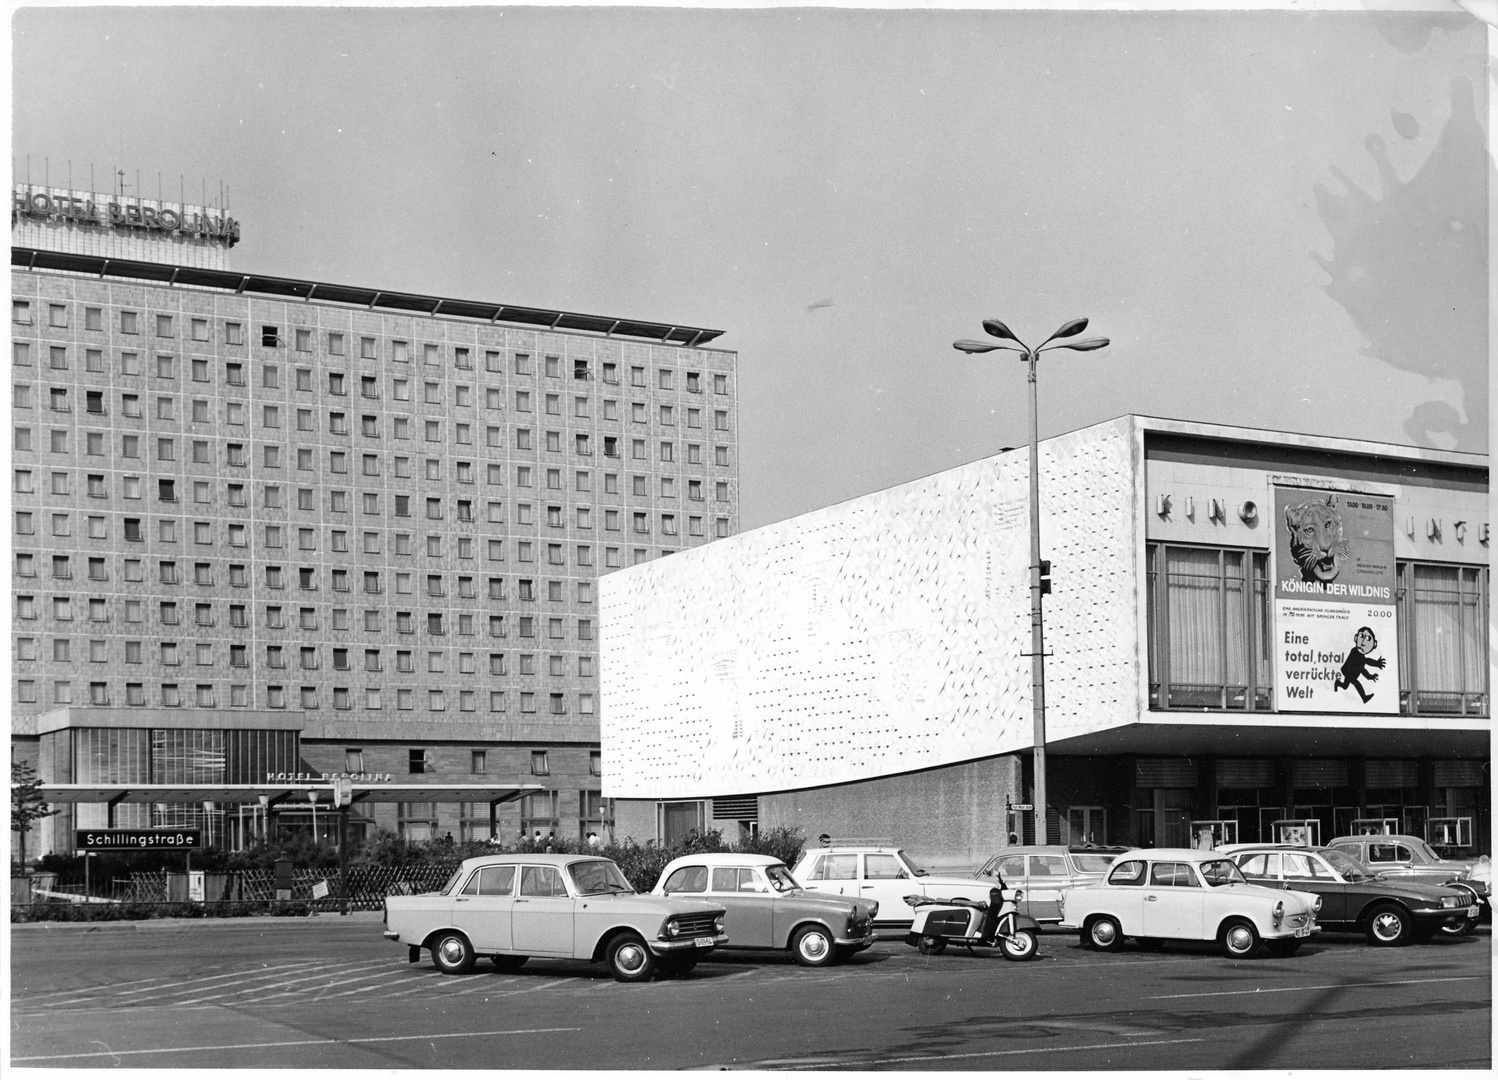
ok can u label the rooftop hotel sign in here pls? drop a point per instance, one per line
(1335, 643)
(51, 204)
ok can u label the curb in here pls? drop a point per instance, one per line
(323, 920)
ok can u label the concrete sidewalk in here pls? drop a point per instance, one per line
(321, 920)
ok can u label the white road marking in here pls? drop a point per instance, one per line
(831, 1063)
(1328, 986)
(297, 1042)
(200, 980)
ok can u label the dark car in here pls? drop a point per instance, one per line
(1353, 898)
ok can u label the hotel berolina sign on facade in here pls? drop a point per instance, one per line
(51, 204)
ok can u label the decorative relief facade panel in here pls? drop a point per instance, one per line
(876, 637)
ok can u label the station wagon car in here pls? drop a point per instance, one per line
(1389, 910)
(883, 875)
(1157, 894)
(767, 909)
(513, 907)
(1044, 871)
(1412, 859)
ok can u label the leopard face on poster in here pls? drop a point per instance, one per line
(1335, 640)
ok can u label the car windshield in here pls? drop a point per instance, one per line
(598, 876)
(780, 878)
(1092, 864)
(1345, 864)
(452, 882)
(1423, 851)
(1222, 872)
(909, 863)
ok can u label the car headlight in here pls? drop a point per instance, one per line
(718, 925)
(1449, 901)
(672, 927)
(873, 908)
(1316, 905)
(1279, 912)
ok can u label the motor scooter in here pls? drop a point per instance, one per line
(996, 922)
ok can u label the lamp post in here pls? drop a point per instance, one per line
(1038, 586)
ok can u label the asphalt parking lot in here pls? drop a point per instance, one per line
(330, 992)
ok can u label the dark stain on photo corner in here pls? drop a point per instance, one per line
(1423, 237)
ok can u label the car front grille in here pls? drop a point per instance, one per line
(1297, 920)
(696, 924)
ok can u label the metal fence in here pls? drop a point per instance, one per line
(319, 890)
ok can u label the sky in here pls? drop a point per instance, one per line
(1279, 219)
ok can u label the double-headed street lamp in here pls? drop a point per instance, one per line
(1039, 578)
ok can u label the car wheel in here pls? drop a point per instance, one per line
(1104, 934)
(812, 946)
(931, 946)
(1239, 939)
(1388, 925)
(1459, 929)
(506, 962)
(1020, 945)
(629, 959)
(1283, 946)
(452, 953)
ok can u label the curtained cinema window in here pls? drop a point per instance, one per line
(1443, 618)
(1209, 628)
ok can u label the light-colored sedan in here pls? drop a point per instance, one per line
(1043, 872)
(767, 909)
(1159, 894)
(513, 907)
(883, 875)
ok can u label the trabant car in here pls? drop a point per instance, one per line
(1389, 910)
(883, 875)
(513, 907)
(1155, 894)
(1044, 871)
(767, 909)
(1412, 859)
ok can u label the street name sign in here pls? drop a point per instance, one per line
(139, 839)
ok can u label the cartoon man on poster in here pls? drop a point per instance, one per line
(1360, 660)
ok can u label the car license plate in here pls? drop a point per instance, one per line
(1472, 912)
(1304, 931)
(704, 942)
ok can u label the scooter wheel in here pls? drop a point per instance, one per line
(1020, 945)
(931, 946)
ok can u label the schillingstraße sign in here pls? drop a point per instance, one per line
(139, 839)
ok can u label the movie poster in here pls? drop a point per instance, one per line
(1335, 643)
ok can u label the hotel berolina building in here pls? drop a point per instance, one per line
(268, 529)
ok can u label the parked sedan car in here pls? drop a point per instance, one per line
(1411, 858)
(1044, 871)
(513, 907)
(767, 909)
(883, 875)
(1390, 911)
(1155, 894)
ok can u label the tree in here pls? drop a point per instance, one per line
(26, 803)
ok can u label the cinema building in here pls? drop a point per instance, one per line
(1246, 629)
(266, 527)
